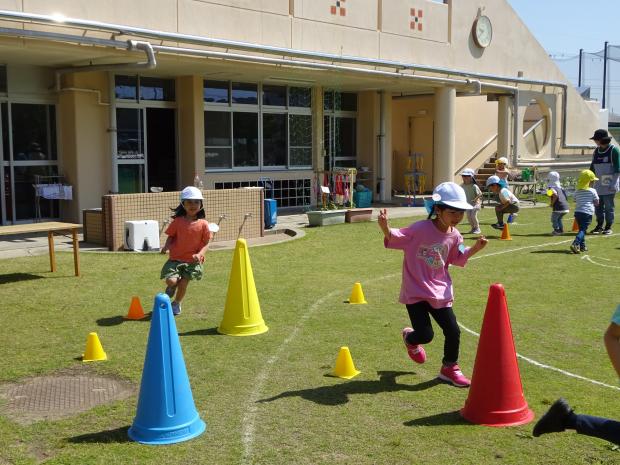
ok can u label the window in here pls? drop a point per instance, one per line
(3, 89)
(216, 92)
(218, 152)
(286, 192)
(150, 88)
(34, 132)
(340, 129)
(130, 133)
(243, 131)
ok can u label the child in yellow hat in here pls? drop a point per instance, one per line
(586, 199)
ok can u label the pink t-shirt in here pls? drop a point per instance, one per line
(188, 238)
(428, 253)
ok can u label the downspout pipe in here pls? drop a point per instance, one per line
(131, 45)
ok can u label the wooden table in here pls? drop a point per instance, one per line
(50, 227)
(524, 190)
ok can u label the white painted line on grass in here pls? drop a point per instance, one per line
(589, 259)
(549, 367)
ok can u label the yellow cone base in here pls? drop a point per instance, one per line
(357, 295)
(242, 315)
(344, 365)
(94, 351)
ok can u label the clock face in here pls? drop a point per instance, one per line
(483, 31)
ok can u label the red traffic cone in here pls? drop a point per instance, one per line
(496, 395)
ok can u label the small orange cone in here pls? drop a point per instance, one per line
(506, 233)
(136, 312)
(495, 396)
(575, 226)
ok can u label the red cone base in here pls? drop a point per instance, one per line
(496, 395)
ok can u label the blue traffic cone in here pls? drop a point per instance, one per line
(166, 412)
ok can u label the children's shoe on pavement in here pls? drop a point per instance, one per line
(607, 231)
(176, 308)
(555, 420)
(453, 374)
(574, 248)
(415, 351)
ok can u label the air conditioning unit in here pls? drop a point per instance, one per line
(141, 235)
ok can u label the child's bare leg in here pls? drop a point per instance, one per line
(171, 285)
(181, 289)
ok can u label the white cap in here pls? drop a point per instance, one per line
(191, 193)
(451, 195)
(492, 180)
(503, 160)
(468, 172)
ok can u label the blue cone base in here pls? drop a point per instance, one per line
(161, 436)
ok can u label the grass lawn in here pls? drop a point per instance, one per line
(267, 400)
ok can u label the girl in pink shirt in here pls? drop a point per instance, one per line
(429, 247)
(188, 239)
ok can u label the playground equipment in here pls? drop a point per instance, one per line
(344, 365)
(166, 413)
(94, 351)
(242, 315)
(357, 295)
(496, 394)
(136, 312)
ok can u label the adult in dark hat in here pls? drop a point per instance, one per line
(606, 165)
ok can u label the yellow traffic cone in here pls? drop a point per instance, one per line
(94, 352)
(344, 365)
(575, 226)
(506, 233)
(136, 312)
(242, 316)
(357, 295)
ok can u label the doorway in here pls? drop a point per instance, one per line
(161, 146)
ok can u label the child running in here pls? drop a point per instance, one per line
(474, 196)
(429, 247)
(501, 171)
(558, 202)
(586, 199)
(508, 202)
(188, 240)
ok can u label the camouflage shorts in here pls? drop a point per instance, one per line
(176, 269)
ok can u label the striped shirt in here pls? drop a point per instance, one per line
(584, 200)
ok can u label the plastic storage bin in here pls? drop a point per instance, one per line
(270, 204)
(362, 199)
(142, 235)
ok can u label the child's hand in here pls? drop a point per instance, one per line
(383, 218)
(481, 243)
(163, 250)
(198, 258)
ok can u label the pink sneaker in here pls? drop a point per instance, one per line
(454, 375)
(415, 351)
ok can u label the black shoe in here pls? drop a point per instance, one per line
(596, 230)
(574, 248)
(498, 226)
(555, 420)
(583, 248)
(607, 231)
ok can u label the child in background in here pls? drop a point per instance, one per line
(501, 171)
(474, 196)
(558, 202)
(508, 202)
(429, 247)
(188, 239)
(586, 199)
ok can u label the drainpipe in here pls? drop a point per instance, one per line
(381, 140)
(131, 45)
(113, 131)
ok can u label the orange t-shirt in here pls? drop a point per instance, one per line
(188, 238)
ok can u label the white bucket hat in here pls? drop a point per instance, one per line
(451, 195)
(468, 172)
(492, 180)
(191, 193)
(503, 160)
